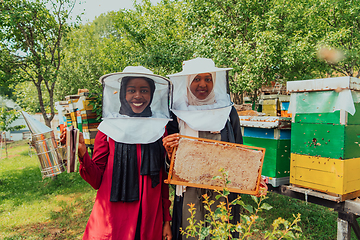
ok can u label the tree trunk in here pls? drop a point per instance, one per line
(6, 151)
(237, 98)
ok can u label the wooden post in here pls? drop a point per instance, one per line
(343, 229)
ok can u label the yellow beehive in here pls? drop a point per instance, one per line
(270, 107)
(328, 175)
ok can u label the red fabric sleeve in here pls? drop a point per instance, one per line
(165, 197)
(92, 170)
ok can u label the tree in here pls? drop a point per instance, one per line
(339, 21)
(7, 117)
(158, 35)
(263, 41)
(31, 37)
(91, 50)
(27, 98)
(154, 36)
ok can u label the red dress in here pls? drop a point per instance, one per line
(118, 220)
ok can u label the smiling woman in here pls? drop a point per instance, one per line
(202, 85)
(127, 166)
(136, 96)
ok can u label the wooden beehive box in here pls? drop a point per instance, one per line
(322, 126)
(325, 150)
(332, 176)
(284, 105)
(273, 134)
(277, 157)
(326, 140)
(196, 161)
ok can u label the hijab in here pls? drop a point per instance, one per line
(125, 180)
(193, 100)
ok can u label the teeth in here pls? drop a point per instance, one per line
(138, 104)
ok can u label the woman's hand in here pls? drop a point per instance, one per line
(167, 235)
(81, 147)
(169, 142)
(263, 188)
(63, 137)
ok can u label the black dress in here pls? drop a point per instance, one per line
(230, 133)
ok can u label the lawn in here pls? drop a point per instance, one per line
(36, 208)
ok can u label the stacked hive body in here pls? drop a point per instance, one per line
(275, 105)
(71, 115)
(272, 133)
(78, 112)
(325, 136)
(270, 104)
(89, 122)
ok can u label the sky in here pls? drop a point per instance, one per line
(93, 8)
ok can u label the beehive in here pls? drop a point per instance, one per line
(325, 136)
(89, 122)
(326, 140)
(80, 115)
(328, 175)
(284, 105)
(273, 134)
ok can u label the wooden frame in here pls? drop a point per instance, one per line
(174, 179)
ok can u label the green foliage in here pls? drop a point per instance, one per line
(339, 23)
(27, 98)
(263, 41)
(220, 226)
(7, 117)
(152, 36)
(157, 35)
(90, 52)
(30, 40)
(96, 103)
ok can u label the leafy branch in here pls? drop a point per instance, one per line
(220, 227)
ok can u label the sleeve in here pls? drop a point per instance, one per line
(92, 170)
(235, 123)
(165, 198)
(173, 126)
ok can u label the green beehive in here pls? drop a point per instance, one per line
(277, 155)
(325, 135)
(326, 140)
(326, 123)
(273, 134)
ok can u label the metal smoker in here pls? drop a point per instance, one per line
(43, 140)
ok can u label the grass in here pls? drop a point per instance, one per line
(317, 222)
(36, 208)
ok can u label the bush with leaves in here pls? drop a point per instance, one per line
(217, 223)
(7, 117)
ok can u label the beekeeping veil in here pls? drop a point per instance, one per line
(209, 114)
(120, 122)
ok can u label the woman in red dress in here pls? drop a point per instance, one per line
(127, 166)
